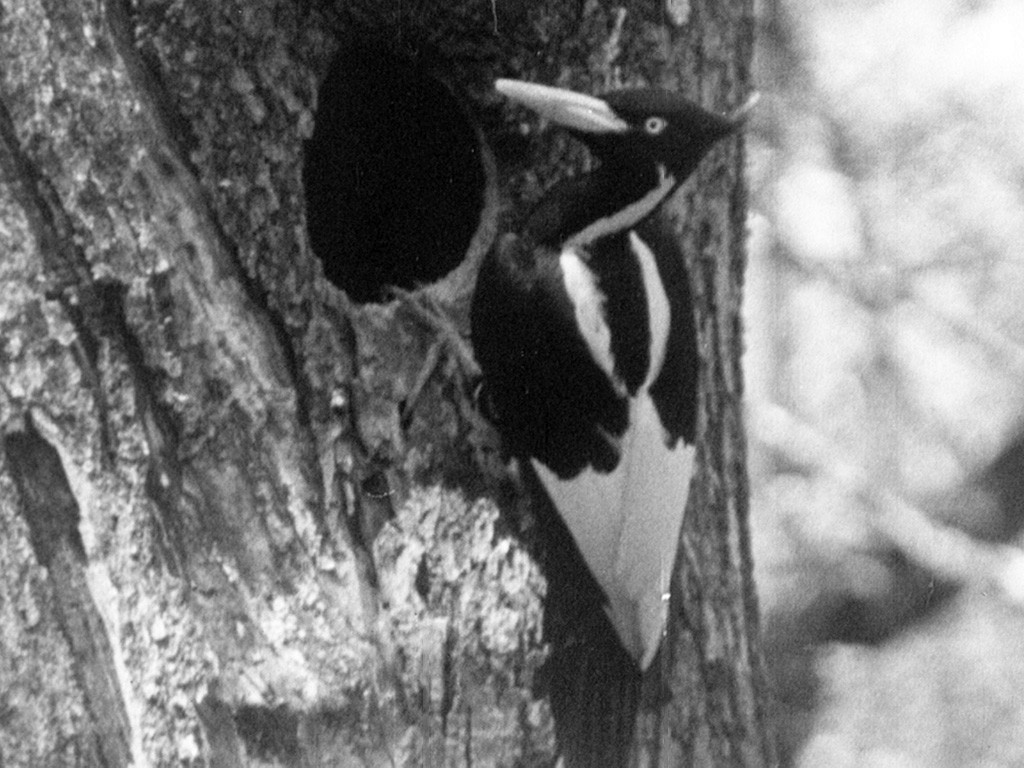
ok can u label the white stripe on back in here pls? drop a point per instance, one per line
(588, 303)
(659, 313)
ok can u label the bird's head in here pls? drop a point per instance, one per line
(634, 126)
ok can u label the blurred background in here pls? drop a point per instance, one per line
(885, 378)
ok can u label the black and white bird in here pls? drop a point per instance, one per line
(583, 327)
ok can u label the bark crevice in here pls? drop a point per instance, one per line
(51, 513)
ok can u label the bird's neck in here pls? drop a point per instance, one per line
(611, 199)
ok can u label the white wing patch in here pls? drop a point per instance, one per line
(588, 302)
(626, 525)
(653, 504)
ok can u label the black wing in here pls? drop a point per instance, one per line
(551, 399)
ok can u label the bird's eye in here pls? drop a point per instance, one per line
(655, 125)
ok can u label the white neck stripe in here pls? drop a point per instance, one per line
(626, 217)
(588, 304)
(659, 313)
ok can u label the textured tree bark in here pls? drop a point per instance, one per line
(244, 521)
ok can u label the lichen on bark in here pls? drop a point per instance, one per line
(297, 536)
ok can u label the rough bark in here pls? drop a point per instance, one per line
(246, 522)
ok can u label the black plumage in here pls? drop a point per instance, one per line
(583, 328)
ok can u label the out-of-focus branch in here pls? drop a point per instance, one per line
(851, 280)
(969, 327)
(945, 551)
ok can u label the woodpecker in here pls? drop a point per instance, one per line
(583, 329)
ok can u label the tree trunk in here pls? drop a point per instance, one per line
(248, 521)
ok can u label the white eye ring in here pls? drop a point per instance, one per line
(655, 125)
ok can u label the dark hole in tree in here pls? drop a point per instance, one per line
(393, 177)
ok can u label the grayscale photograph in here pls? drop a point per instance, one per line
(506, 384)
